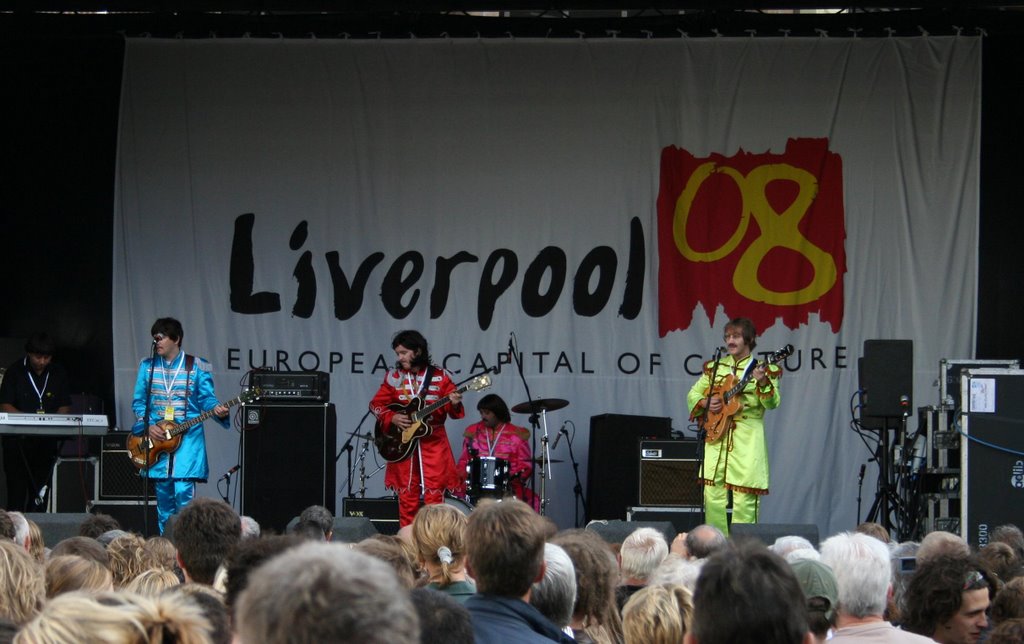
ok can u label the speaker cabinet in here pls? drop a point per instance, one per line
(119, 480)
(887, 374)
(668, 474)
(132, 518)
(383, 513)
(287, 461)
(767, 533)
(57, 527)
(616, 531)
(73, 487)
(613, 472)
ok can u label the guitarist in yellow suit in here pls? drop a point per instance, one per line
(737, 461)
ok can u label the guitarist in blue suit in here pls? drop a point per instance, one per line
(176, 387)
(429, 468)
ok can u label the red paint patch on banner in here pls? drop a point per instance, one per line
(763, 235)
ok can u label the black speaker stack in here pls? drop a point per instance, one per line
(613, 465)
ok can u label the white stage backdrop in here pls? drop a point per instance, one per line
(611, 202)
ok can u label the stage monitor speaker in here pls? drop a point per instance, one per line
(613, 472)
(683, 519)
(129, 515)
(767, 533)
(668, 474)
(58, 526)
(616, 531)
(992, 468)
(287, 461)
(119, 480)
(886, 376)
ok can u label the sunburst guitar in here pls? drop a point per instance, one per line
(730, 389)
(144, 450)
(396, 444)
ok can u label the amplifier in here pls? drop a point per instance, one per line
(383, 513)
(668, 474)
(119, 479)
(292, 385)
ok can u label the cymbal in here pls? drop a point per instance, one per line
(541, 404)
(540, 461)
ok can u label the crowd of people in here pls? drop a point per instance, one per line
(504, 573)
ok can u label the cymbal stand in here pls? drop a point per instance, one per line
(577, 489)
(545, 463)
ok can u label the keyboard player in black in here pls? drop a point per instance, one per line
(32, 384)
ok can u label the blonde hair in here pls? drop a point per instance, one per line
(127, 558)
(66, 573)
(37, 545)
(161, 552)
(22, 586)
(152, 582)
(657, 615)
(117, 617)
(438, 533)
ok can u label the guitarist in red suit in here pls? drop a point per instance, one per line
(737, 461)
(429, 470)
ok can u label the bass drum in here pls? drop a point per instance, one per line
(462, 506)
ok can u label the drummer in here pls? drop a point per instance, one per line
(495, 436)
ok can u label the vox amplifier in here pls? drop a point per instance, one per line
(292, 386)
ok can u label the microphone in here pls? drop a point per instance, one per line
(905, 405)
(860, 477)
(510, 348)
(229, 473)
(561, 432)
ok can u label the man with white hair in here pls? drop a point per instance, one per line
(21, 536)
(861, 567)
(555, 595)
(642, 551)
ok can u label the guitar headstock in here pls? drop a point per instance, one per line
(480, 382)
(780, 355)
(250, 394)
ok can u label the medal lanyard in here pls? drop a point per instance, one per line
(169, 386)
(414, 384)
(46, 381)
(491, 446)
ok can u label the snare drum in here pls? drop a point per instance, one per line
(486, 476)
(461, 505)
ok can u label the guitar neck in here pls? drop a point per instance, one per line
(188, 424)
(434, 406)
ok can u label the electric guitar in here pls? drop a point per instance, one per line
(396, 444)
(143, 450)
(730, 389)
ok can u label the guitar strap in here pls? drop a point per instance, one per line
(428, 376)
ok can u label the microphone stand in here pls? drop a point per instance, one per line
(577, 490)
(534, 420)
(347, 450)
(145, 432)
(701, 420)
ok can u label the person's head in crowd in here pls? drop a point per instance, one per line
(1009, 601)
(872, 529)
(794, 547)
(1009, 632)
(438, 537)
(657, 614)
(127, 558)
(596, 578)
(505, 548)
(124, 618)
(679, 571)
(821, 592)
(322, 517)
(97, 524)
(940, 543)
(747, 594)
(250, 527)
(309, 530)
(152, 582)
(249, 555)
(325, 592)
(107, 537)
(442, 619)
(641, 552)
(947, 599)
(205, 532)
(161, 552)
(21, 529)
(704, 541)
(903, 561)
(211, 603)
(22, 584)
(86, 547)
(67, 573)
(7, 530)
(1011, 535)
(393, 554)
(1000, 559)
(863, 577)
(555, 595)
(37, 545)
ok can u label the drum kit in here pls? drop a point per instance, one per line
(489, 476)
